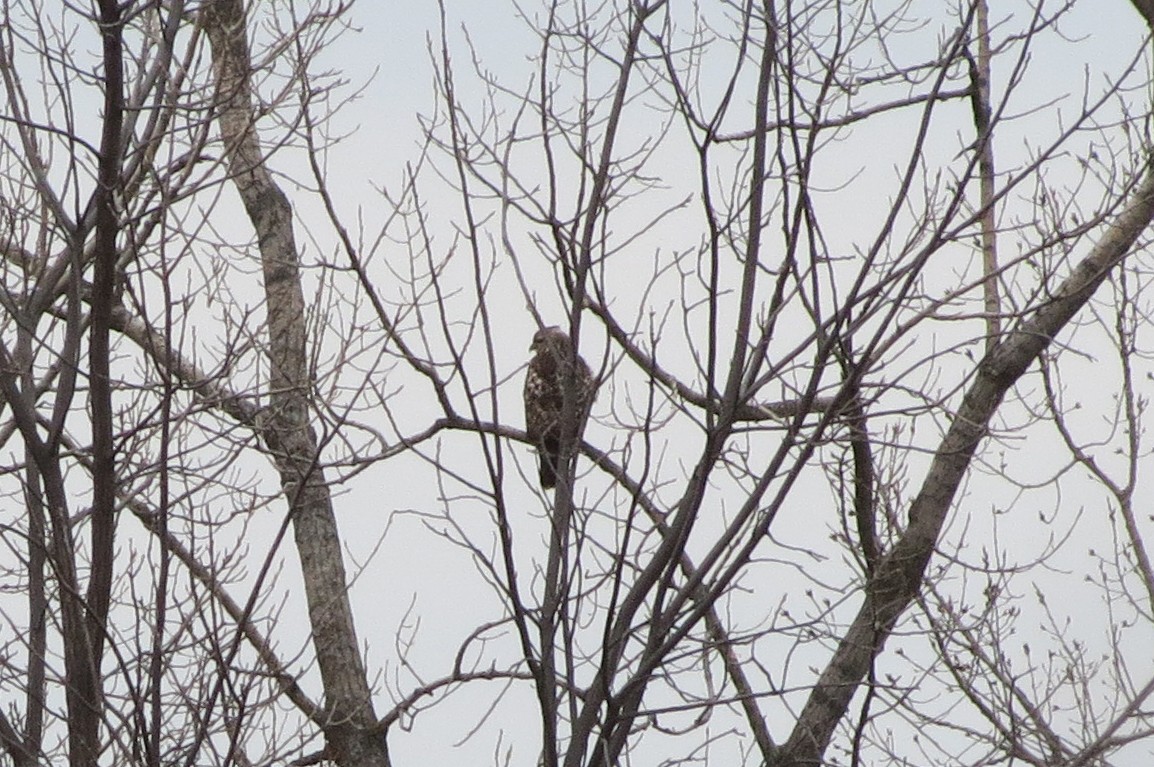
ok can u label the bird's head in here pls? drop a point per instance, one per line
(552, 339)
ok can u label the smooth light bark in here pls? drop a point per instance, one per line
(898, 578)
(351, 735)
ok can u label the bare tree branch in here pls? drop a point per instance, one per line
(350, 731)
(898, 577)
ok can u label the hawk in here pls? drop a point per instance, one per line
(552, 377)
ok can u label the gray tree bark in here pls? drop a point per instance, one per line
(351, 735)
(898, 577)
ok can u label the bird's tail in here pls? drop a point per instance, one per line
(548, 457)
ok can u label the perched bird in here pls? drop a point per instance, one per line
(551, 372)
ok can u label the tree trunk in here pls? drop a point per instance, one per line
(898, 578)
(351, 736)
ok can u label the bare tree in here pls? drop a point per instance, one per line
(179, 669)
(863, 479)
(801, 338)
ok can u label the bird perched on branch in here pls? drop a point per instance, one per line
(555, 372)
